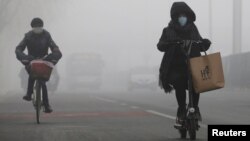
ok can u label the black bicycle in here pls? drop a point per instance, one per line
(190, 124)
(41, 71)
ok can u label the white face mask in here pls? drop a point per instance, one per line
(182, 20)
(37, 30)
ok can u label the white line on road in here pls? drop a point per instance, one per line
(124, 104)
(160, 114)
(169, 116)
(105, 99)
(134, 107)
(149, 111)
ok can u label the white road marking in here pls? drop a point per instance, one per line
(149, 111)
(169, 116)
(161, 114)
(105, 99)
(134, 107)
(124, 104)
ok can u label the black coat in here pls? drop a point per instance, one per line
(174, 33)
(37, 46)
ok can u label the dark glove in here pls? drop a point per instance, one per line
(50, 58)
(197, 43)
(27, 59)
(206, 42)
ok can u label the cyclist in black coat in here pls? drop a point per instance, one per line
(37, 41)
(173, 69)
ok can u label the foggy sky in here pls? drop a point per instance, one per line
(124, 32)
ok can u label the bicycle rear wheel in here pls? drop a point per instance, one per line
(192, 129)
(38, 102)
(183, 133)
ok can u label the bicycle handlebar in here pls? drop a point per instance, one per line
(187, 45)
(190, 41)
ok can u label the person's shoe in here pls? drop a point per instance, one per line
(198, 114)
(181, 115)
(27, 97)
(178, 123)
(47, 109)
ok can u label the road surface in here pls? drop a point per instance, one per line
(115, 116)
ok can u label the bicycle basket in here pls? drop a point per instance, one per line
(41, 69)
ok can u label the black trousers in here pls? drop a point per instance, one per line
(179, 80)
(31, 82)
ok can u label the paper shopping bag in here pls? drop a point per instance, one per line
(207, 72)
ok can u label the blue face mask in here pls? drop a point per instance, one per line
(182, 20)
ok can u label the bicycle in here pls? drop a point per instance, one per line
(40, 71)
(190, 123)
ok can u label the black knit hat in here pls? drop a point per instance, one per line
(36, 22)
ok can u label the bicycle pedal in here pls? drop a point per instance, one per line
(178, 126)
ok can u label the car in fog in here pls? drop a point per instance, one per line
(84, 70)
(52, 84)
(143, 78)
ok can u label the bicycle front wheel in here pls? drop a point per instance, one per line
(192, 129)
(38, 102)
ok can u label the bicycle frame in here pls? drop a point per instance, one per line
(191, 109)
(190, 123)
